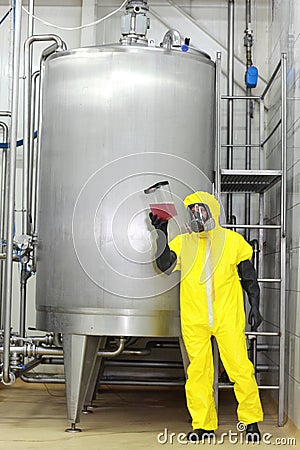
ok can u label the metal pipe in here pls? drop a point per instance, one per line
(230, 92)
(41, 378)
(266, 347)
(283, 240)
(32, 350)
(34, 79)
(105, 381)
(171, 39)
(266, 227)
(241, 145)
(262, 333)
(218, 125)
(159, 364)
(26, 219)
(266, 368)
(137, 352)
(254, 244)
(249, 105)
(240, 97)
(268, 280)
(226, 386)
(25, 275)
(111, 354)
(59, 45)
(4, 127)
(6, 375)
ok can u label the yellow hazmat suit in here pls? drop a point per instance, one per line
(211, 304)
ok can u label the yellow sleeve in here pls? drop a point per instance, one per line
(176, 246)
(244, 250)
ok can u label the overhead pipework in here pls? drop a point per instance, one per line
(135, 23)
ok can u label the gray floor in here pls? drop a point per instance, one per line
(33, 416)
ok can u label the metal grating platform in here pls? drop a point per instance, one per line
(248, 180)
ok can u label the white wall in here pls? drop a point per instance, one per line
(284, 35)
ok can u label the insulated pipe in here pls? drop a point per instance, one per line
(7, 376)
(230, 92)
(2, 213)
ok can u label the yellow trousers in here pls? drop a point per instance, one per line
(199, 385)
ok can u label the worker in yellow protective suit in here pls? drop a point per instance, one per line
(211, 260)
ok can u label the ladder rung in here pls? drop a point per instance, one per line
(241, 145)
(230, 385)
(276, 227)
(268, 387)
(262, 333)
(269, 280)
(251, 172)
(240, 97)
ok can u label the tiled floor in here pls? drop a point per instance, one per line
(33, 416)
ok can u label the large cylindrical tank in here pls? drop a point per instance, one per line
(116, 119)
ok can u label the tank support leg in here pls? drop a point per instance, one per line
(73, 429)
(80, 354)
(88, 402)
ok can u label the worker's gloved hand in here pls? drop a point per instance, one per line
(255, 318)
(159, 224)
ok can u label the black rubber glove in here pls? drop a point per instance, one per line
(165, 258)
(250, 284)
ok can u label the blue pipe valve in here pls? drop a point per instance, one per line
(251, 77)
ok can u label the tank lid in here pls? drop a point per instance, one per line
(193, 52)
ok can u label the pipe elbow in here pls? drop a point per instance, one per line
(171, 39)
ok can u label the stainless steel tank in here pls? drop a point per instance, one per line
(116, 119)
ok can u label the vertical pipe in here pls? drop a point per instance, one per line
(283, 242)
(59, 45)
(37, 170)
(26, 119)
(230, 92)
(35, 76)
(2, 214)
(11, 187)
(261, 196)
(248, 44)
(218, 125)
(26, 157)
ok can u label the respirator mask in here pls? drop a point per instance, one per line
(200, 218)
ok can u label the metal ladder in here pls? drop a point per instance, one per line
(258, 181)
